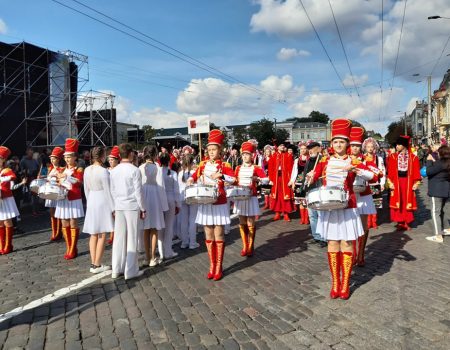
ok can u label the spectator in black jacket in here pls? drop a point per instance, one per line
(438, 172)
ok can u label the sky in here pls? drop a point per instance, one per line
(247, 59)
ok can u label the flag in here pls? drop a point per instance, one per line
(198, 124)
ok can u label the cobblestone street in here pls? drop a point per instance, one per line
(278, 299)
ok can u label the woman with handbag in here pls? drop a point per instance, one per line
(438, 173)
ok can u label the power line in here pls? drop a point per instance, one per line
(440, 56)
(178, 54)
(326, 52)
(345, 52)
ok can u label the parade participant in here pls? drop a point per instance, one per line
(340, 226)
(8, 208)
(257, 156)
(70, 208)
(155, 202)
(188, 213)
(280, 169)
(113, 161)
(187, 150)
(370, 148)
(174, 157)
(165, 236)
(403, 178)
(234, 159)
(314, 157)
(214, 216)
(265, 166)
(99, 208)
(126, 190)
(248, 175)
(297, 181)
(52, 176)
(364, 200)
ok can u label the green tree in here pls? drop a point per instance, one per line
(149, 133)
(281, 135)
(319, 117)
(395, 129)
(240, 135)
(265, 133)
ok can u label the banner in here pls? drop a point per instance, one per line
(198, 124)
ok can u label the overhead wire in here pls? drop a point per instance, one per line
(382, 60)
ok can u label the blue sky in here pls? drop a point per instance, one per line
(267, 44)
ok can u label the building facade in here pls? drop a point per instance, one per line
(303, 131)
(442, 107)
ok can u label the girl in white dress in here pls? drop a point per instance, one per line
(113, 160)
(173, 200)
(71, 208)
(99, 208)
(155, 202)
(8, 208)
(188, 213)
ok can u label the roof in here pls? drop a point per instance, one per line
(171, 131)
(310, 125)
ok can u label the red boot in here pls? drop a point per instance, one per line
(220, 250)
(266, 202)
(346, 271)
(67, 238)
(369, 221)
(374, 221)
(211, 247)
(277, 216)
(302, 218)
(2, 238)
(334, 264)
(286, 217)
(244, 230)
(73, 250)
(251, 239)
(7, 245)
(306, 216)
(111, 238)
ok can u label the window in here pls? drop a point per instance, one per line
(302, 136)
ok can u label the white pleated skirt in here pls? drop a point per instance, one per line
(365, 205)
(248, 207)
(66, 209)
(339, 225)
(50, 203)
(210, 214)
(98, 214)
(8, 208)
(154, 216)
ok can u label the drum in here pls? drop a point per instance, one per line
(36, 184)
(327, 198)
(52, 192)
(238, 193)
(359, 185)
(265, 189)
(200, 194)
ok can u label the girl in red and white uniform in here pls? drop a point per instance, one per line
(370, 148)
(52, 177)
(214, 216)
(71, 208)
(364, 199)
(8, 208)
(113, 161)
(248, 175)
(340, 227)
(297, 178)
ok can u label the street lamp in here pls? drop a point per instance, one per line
(438, 17)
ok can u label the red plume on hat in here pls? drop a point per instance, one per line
(4, 152)
(248, 147)
(115, 153)
(356, 135)
(71, 146)
(216, 137)
(340, 128)
(57, 152)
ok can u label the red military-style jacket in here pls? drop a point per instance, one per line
(5, 186)
(413, 176)
(257, 171)
(370, 165)
(223, 168)
(74, 191)
(284, 163)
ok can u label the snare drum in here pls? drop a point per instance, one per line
(200, 194)
(36, 184)
(359, 185)
(327, 198)
(52, 192)
(238, 193)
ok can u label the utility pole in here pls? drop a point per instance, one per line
(429, 124)
(406, 128)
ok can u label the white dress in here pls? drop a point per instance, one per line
(187, 226)
(8, 207)
(100, 203)
(339, 224)
(155, 198)
(69, 209)
(248, 207)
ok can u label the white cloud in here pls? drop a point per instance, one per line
(286, 54)
(359, 80)
(3, 27)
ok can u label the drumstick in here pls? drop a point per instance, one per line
(314, 168)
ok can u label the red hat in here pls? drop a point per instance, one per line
(340, 128)
(71, 146)
(248, 147)
(356, 135)
(57, 152)
(188, 148)
(115, 152)
(215, 137)
(4, 152)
